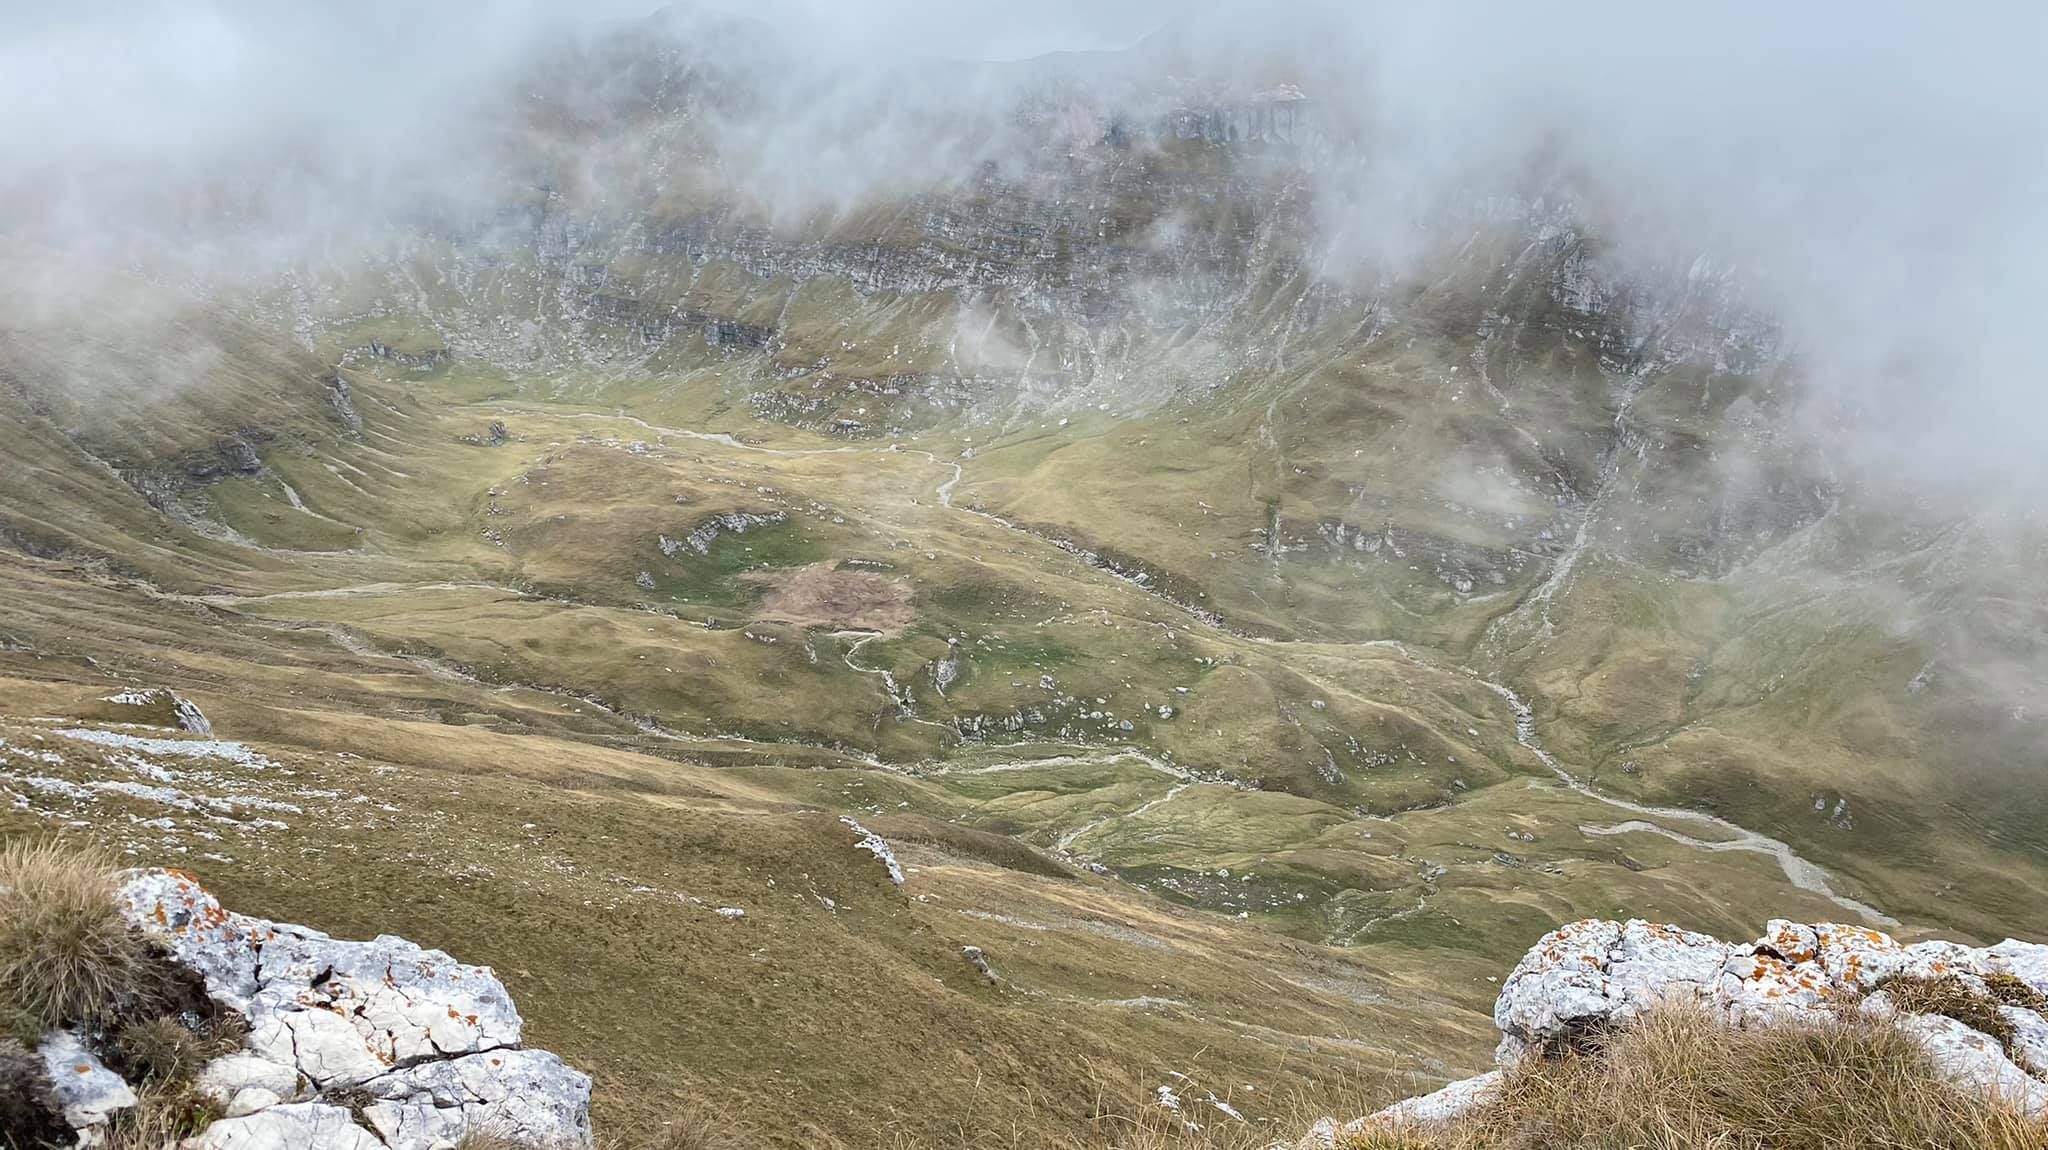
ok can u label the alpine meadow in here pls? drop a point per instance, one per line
(899, 575)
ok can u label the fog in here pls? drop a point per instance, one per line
(1870, 175)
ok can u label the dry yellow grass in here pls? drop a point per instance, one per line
(1678, 1080)
(65, 952)
(163, 1116)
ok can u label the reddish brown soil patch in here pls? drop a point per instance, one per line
(818, 596)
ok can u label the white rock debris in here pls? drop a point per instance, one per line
(88, 1091)
(1594, 974)
(426, 1046)
(190, 748)
(875, 845)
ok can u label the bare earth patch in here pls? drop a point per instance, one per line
(819, 596)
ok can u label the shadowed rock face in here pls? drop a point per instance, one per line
(432, 1044)
(1591, 976)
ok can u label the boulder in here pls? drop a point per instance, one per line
(1593, 974)
(160, 707)
(432, 1043)
(1589, 976)
(1975, 1060)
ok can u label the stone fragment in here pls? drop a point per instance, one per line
(1444, 1104)
(88, 1091)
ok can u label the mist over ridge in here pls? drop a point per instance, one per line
(1866, 177)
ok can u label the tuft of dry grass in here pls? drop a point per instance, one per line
(65, 951)
(1680, 1080)
(163, 1116)
(2012, 990)
(1953, 998)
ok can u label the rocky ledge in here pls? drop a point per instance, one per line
(1593, 975)
(378, 1045)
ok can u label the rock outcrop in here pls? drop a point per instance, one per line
(1593, 975)
(378, 1045)
(161, 707)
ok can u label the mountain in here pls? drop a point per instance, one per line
(1247, 644)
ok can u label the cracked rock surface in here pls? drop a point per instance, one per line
(432, 1043)
(1594, 974)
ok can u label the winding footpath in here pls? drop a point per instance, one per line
(1798, 871)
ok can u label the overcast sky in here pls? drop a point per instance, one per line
(1877, 170)
(974, 29)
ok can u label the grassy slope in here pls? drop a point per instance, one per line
(477, 615)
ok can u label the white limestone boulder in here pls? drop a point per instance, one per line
(349, 1011)
(162, 707)
(245, 1082)
(433, 1042)
(2026, 961)
(1588, 976)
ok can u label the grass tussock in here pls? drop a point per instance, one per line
(163, 1116)
(1679, 1080)
(167, 1050)
(1952, 997)
(2011, 990)
(65, 952)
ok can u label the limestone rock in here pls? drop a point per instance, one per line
(2029, 1036)
(1592, 975)
(435, 1042)
(877, 846)
(171, 907)
(86, 1089)
(1975, 1060)
(244, 1083)
(354, 1010)
(297, 1126)
(1447, 1103)
(164, 708)
(527, 1095)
